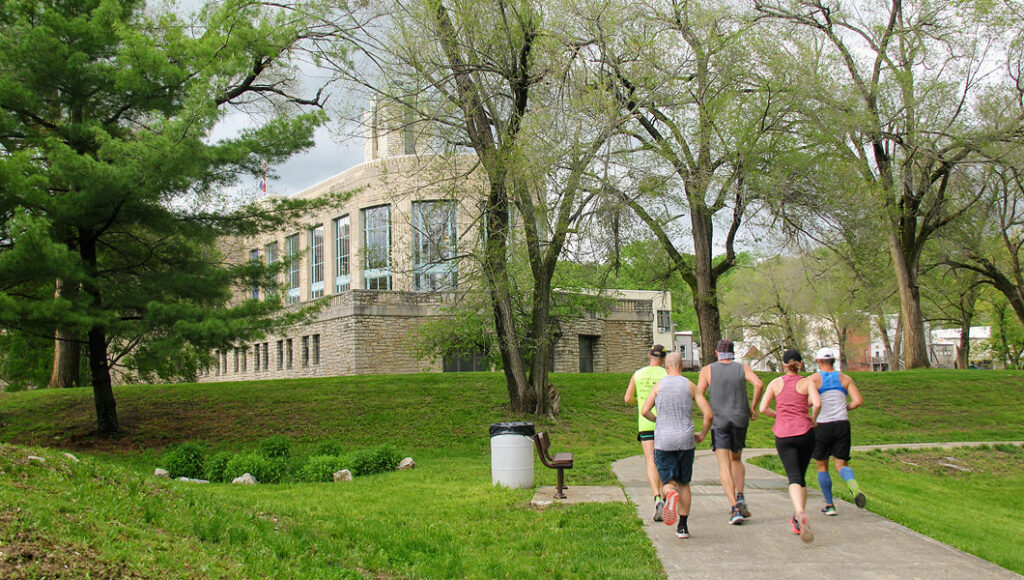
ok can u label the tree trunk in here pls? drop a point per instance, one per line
(705, 292)
(67, 352)
(963, 349)
(102, 387)
(915, 343)
(841, 334)
(544, 396)
(897, 345)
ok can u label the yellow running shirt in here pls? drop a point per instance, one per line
(644, 380)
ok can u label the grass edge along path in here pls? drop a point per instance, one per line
(964, 494)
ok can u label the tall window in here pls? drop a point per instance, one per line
(291, 247)
(288, 353)
(316, 262)
(664, 321)
(316, 348)
(270, 251)
(433, 245)
(305, 351)
(342, 278)
(377, 248)
(266, 356)
(280, 354)
(254, 256)
(256, 357)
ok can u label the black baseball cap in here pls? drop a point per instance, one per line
(791, 355)
(658, 351)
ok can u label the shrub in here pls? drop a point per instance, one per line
(216, 466)
(277, 446)
(186, 460)
(377, 460)
(321, 468)
(329, 447)
(263, 468)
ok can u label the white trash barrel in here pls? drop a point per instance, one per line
(512, 454)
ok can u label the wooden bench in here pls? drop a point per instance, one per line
(560, 461)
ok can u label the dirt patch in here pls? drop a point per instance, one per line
(28, 554)
(961, 462)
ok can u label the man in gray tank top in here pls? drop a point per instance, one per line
(674, 439)
(733, 411)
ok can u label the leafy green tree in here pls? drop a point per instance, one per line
(108, 171)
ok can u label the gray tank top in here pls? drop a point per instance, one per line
(674, 429)
(728, 395)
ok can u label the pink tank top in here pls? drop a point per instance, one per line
(791, 418)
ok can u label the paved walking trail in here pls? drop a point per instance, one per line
(855, 544)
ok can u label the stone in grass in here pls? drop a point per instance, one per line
(190, 480)
(245, 479)
(343, 475)
(957, 467)
(72, 457)
(37, 458)
(161, 473)
(406, 463)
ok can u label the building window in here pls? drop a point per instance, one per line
(291, 248)
(270, 251)
(305, 351)
(256, 357)
(664, 321)
(316, 349)
(266, 356)
(316, 262)
(245, 359)
(224, 366)
(377, 248)
(280, 354)
(254, 256)
(433, 245)
(216, 363)
(237, 357)
(342, 276)
(288, 354)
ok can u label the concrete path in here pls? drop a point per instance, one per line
(855, 544)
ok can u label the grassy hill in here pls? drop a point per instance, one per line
(443, 519)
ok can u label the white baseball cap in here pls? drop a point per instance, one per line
(825, 353)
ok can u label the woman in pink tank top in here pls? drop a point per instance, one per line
(794, 432)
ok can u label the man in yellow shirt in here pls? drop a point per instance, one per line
(640, 387)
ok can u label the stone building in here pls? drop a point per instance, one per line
(388, 259)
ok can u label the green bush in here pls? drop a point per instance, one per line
(377, 460)
(277, 446)
(329, 447)
(217, 465)
(186, 460)
(263, 468)
(321, 468)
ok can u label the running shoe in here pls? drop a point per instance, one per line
(860, 500)
(806, 535)
(741, 505)
(735, 517)
(829, 510)
(659, 507)
(795, 525)
(682, 532)
(671, 504)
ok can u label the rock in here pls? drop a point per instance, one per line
(72, 457)
(406, 463)
(37, 458)
(957, 467)
(343, 475)
(952, 459)
(909, 463)
(190, 480)
(245, 479)
(161, 473)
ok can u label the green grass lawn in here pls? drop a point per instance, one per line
(977, 511)
(442, 520)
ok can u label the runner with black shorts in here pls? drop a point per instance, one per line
(832, 435)
(727, 380)
(640, 386)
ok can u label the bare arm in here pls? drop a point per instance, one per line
(755, 380)
(631, 391)
(648, 408)
(769, 396)
(705, 411)
(814, 397)
(856, 399)
(703, 381)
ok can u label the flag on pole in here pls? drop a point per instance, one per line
(263, 182)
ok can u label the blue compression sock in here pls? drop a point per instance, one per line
(847, 474)
(825, 483)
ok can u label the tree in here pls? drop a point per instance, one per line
(895, 98)
(684, 72)
(508, 82)
(108, 170)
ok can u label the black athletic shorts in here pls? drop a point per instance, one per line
(732, 438)
(645, 436)
(832, 439)
(795, 453)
